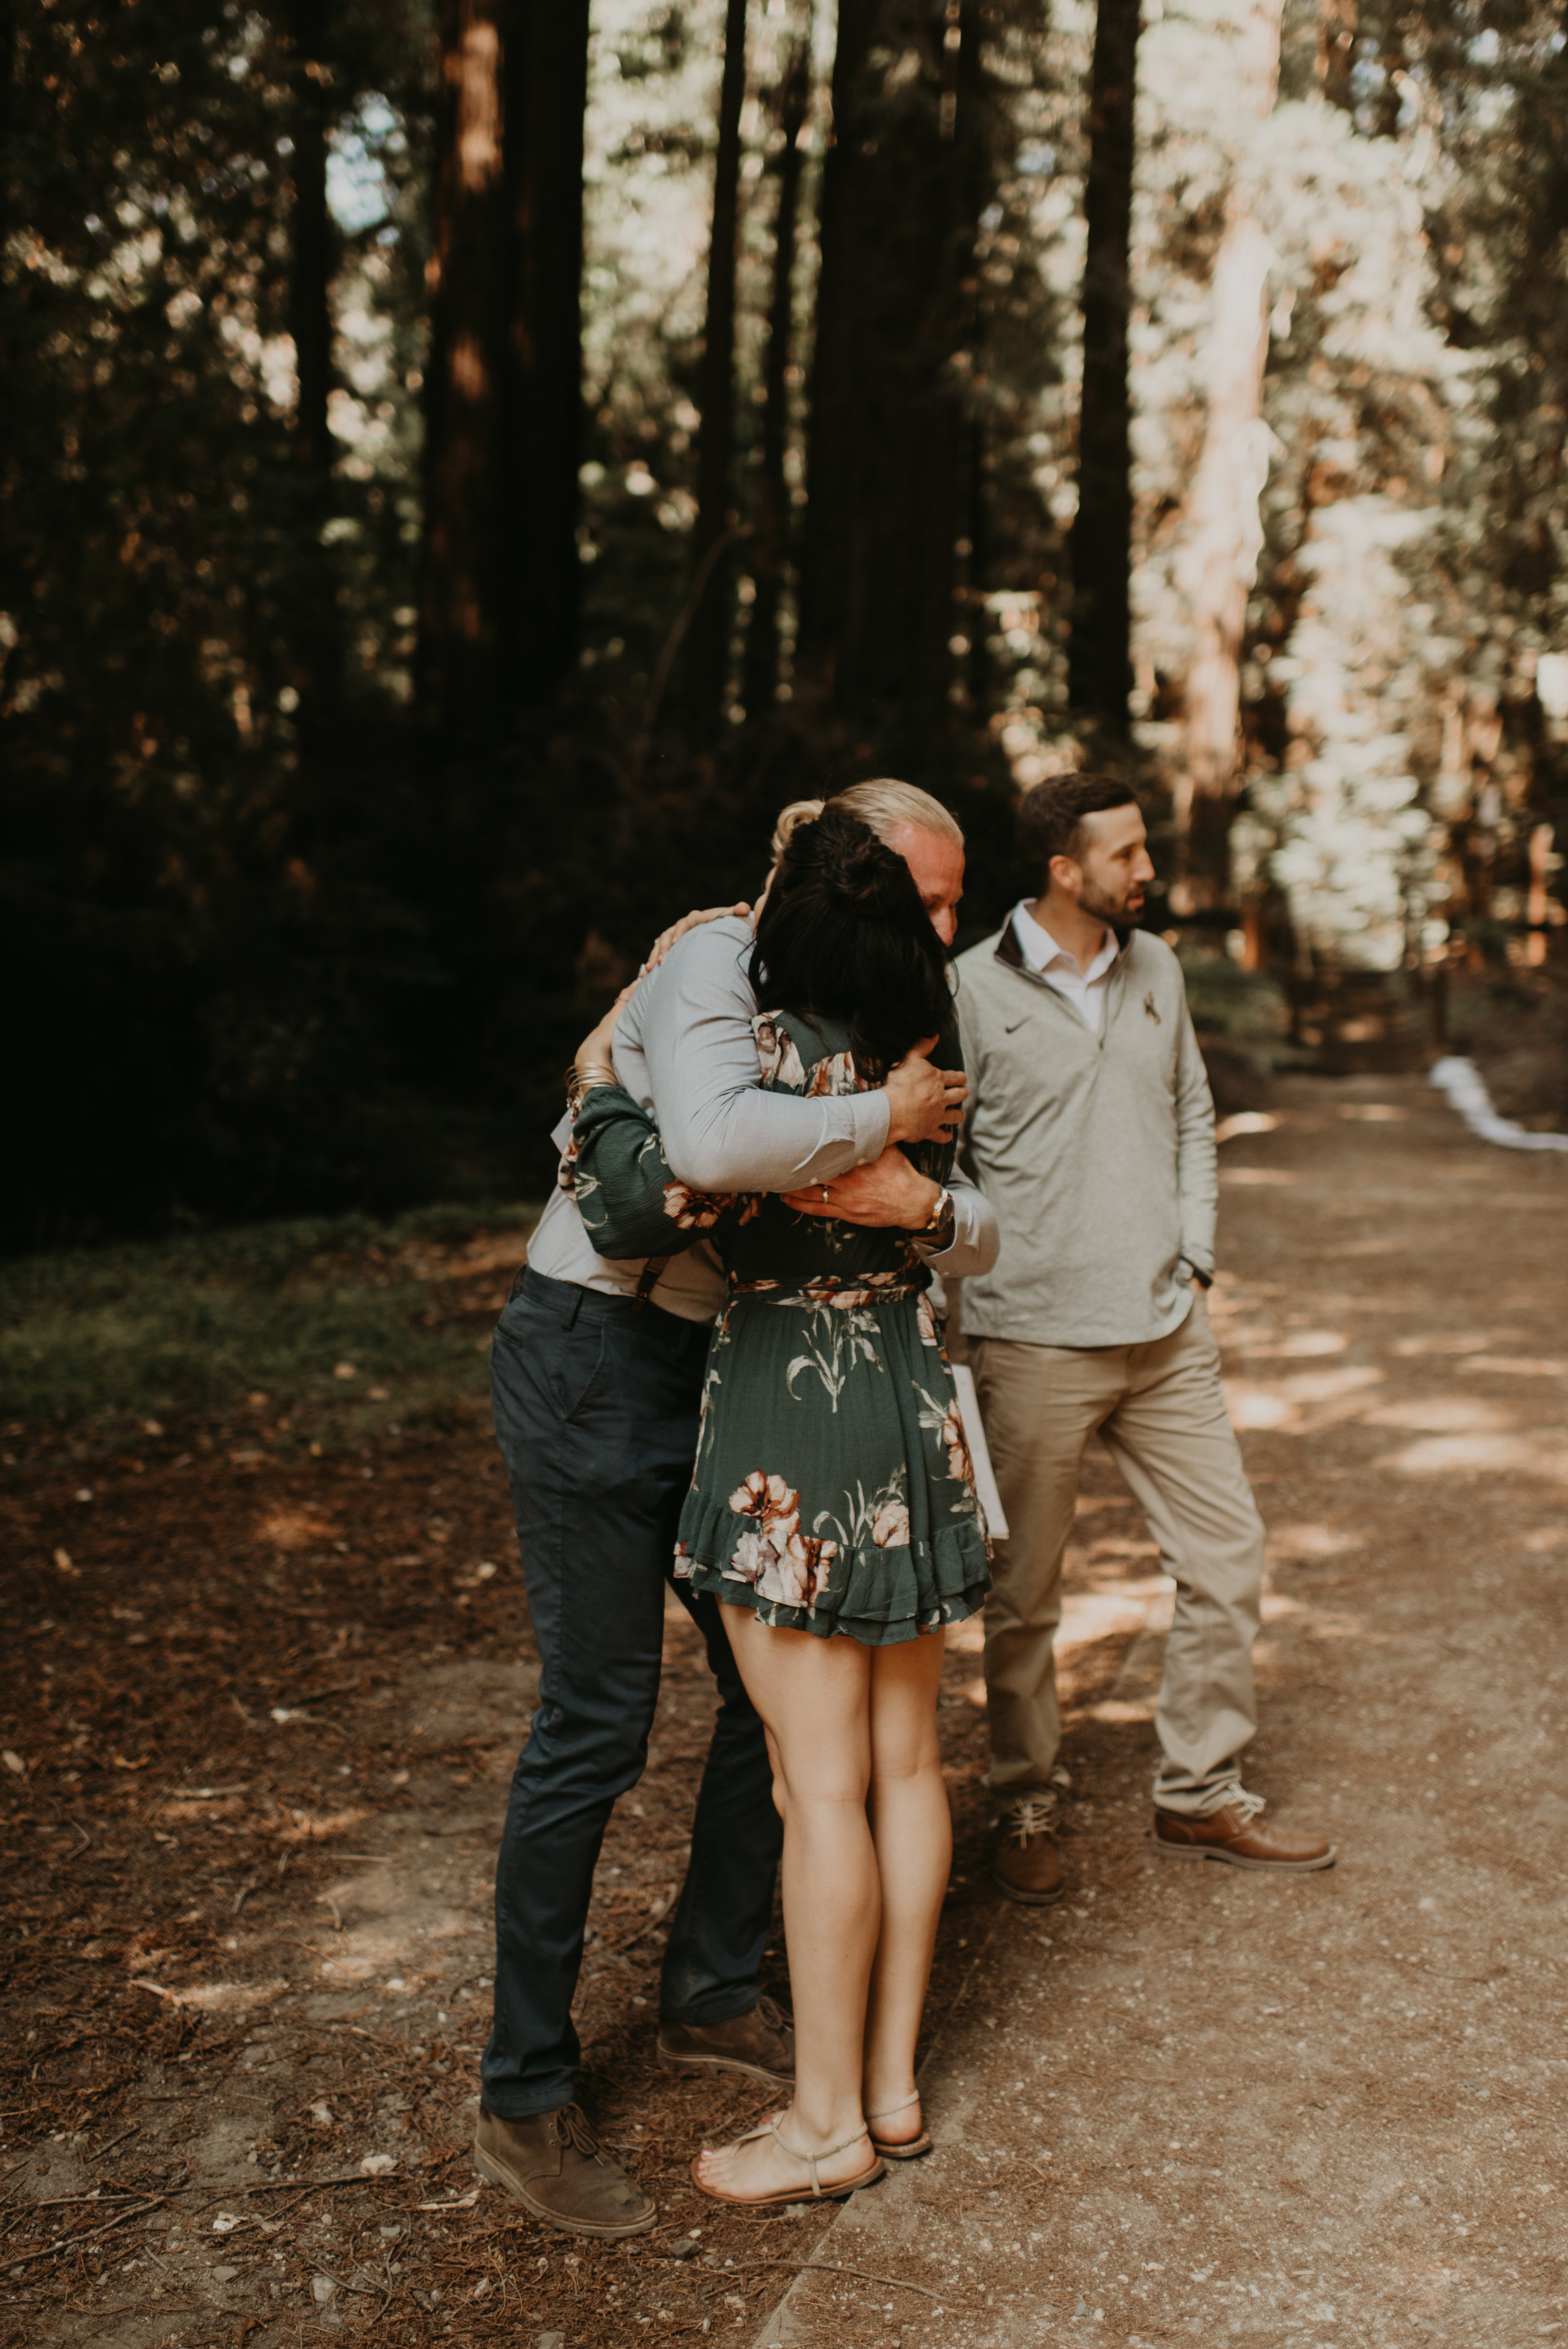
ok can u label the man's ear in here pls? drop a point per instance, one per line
(1065, 873)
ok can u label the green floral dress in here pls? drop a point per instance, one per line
(833, 1490)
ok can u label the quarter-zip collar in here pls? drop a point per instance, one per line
(1010, 952)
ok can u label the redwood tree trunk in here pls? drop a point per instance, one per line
(708, 640)
(772, 535)
(1099, 664)
(546, 90)
(1225, 534)
(459, 632)
(317, 637)
(890, 439)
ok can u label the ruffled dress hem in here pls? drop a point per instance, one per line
(879, 1593)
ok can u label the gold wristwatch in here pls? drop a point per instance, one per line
(936, 1232)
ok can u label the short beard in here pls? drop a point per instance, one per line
(1101, 908)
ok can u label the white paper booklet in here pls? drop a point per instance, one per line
(975, 1435)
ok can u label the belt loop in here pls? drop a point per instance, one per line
(575, 1307)
(517, 1280)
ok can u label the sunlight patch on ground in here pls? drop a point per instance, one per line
(216, 1998)
(289, 1528)
(315, 1827)
(1290, 1542)
(1299, 1345)
(1496, 1454)
(1443, 1415)
(1278, 1404)
(1447, 1341)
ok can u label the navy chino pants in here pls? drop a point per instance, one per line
(595, 1402)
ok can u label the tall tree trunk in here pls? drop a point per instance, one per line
(546, 91)
(889, 437)
(1338, 27)
(317, 652)
(460, 632)
(771, 533)
(1099, 664)
(1225, 535)
(708, 640)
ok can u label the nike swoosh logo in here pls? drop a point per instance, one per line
(1014, 1027)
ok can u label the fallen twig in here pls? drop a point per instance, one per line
(70, 2243)
(655, 1916)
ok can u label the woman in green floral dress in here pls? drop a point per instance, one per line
(832, 1505)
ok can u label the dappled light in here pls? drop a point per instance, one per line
(469, 467)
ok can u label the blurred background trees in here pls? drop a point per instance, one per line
(467, 461)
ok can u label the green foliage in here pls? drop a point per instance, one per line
(275, 951)
(1241, 1005)
(105, 1335)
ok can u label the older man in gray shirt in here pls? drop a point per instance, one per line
(596, 1376)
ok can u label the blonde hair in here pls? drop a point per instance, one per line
(884, 804)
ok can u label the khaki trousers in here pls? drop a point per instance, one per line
(1160, 1413)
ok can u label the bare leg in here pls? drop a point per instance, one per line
(814, 1697)
(913, 1834)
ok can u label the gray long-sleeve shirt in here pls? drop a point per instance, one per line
(1096, 1152)
(684, 1048)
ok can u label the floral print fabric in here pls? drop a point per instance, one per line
(832, 1490)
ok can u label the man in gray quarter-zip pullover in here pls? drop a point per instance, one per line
(1091, 1133)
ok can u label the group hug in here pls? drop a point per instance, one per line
(805, 1151)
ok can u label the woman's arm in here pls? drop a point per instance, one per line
(630, 1203)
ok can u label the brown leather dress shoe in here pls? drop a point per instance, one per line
(760, 2045)
(552, 2165)
(1027, 1865)
(1238, 1836)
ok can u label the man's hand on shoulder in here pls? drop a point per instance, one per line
(924, 1104)
(886, 1192)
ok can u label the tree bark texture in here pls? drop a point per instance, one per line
(1099, 666)
(546, 92)
(1338, 27)
(771, 533)
(469, 287)
(501, 605)
(707, 640)
(317, 637)
(889, 437)
(1224, 530)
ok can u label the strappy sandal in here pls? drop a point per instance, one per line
(819, 2193)
(915, 2147)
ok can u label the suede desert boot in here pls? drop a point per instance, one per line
(1237, 1835)
(552, 2165)
(759, 2045)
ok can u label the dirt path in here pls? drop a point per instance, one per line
(1195, 2104)
(267, 1713)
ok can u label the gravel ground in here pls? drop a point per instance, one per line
(266, 1713)
(1196, 2105)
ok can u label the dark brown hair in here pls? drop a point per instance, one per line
(1050, 815)
(843, 935)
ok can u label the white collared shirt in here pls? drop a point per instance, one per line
(1085, 989)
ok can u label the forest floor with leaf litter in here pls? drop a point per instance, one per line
(267, 1702)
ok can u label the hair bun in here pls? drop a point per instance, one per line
(845, 857)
